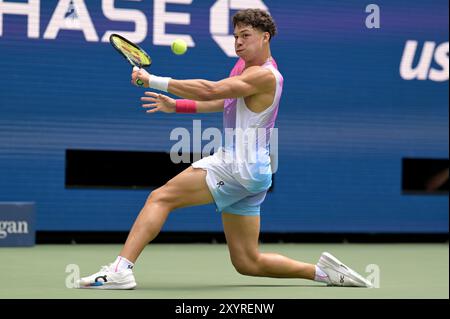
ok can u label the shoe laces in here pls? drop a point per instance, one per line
(105, 268)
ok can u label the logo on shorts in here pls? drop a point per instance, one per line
(221, 183)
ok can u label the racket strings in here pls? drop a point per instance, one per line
(134, 54)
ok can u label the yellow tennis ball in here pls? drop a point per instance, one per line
(179, 47)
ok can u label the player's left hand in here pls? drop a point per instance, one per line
(159, 103)
(140, 74)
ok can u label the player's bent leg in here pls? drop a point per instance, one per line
(188, 188)
(242, 233)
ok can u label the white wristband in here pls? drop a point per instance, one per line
(159, 82)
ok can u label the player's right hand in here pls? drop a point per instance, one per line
(140, 74)
(160, 102)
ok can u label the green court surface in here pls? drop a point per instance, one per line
(203, 271)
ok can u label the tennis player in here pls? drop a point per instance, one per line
(249, 98)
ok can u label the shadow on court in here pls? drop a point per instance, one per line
(149, 286)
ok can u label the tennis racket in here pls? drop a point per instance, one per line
(132, 52)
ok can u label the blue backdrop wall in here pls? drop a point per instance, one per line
(357, 100)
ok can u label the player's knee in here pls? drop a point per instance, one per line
(245, 265)
(161, 196)
(152, 196)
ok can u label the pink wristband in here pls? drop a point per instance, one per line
(186, 106)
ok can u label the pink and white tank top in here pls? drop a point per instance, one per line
(253, 173)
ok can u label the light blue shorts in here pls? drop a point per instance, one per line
(229, 195)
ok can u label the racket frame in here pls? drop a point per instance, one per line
(133, 63)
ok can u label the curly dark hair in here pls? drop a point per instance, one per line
(257, 18)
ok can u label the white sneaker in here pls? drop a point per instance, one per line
(339, 274)
(107, 279)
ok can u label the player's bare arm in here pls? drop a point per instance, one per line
(254, 80)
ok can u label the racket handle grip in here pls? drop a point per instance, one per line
(138, 81)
